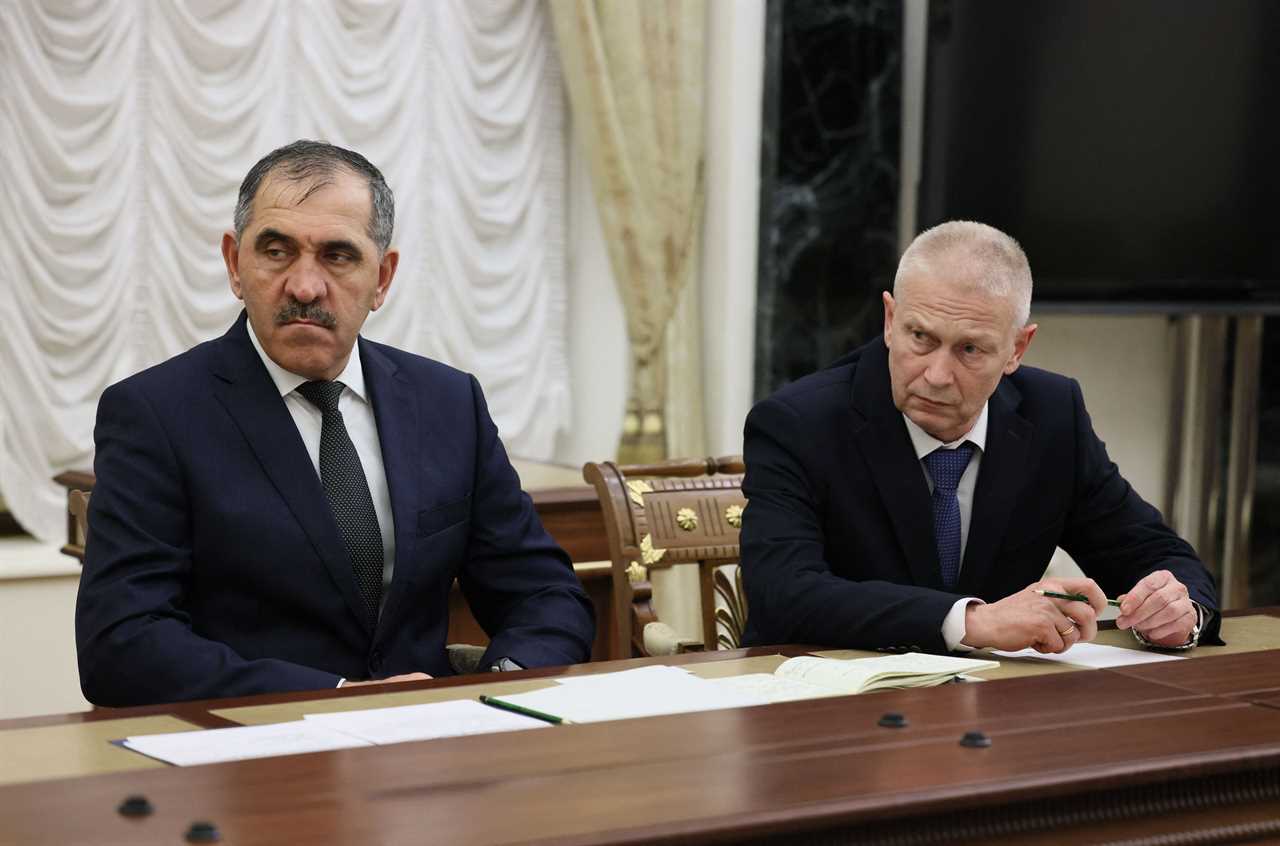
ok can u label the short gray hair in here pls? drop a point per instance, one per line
(316, 162)
(995, 260)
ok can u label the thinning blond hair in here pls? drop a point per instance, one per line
(976, 253)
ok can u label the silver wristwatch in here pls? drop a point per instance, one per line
(1192, 640)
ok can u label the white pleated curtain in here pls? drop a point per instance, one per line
(127, 125)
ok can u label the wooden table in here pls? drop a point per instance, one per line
(1084, 756)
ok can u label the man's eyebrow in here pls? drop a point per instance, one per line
(268, 235)
(342, 245)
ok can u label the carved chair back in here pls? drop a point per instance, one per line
(78, 509)
(684, 511)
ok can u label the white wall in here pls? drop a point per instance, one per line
(38, 672)
(1124, 365)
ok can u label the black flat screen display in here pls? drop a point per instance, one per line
(1132, 146)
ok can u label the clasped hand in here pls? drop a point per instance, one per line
(1027, 619)
(1158, 606)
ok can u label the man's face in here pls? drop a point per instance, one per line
(949, 344)
(308, 272)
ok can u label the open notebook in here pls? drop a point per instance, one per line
(809, 677)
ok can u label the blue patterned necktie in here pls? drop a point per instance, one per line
(946, 466)
(347, 489)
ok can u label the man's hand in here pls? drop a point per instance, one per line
(407, 677)
(1159, 608)
(1027, 619)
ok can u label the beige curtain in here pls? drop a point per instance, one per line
(635, 74)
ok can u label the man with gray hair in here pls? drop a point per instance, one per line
(287, 507)
(911, 495)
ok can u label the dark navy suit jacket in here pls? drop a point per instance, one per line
(214, 566)
(837, 539)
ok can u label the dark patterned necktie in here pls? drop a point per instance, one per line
(946, 466)
(348, 491)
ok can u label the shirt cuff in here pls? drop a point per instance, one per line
(340, 683)
(953, 625)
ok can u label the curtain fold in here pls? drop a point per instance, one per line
(635, 75)
(127, 125)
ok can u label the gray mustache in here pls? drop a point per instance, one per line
(305, 311)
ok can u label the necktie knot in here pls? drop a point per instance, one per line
(946, 466)
(323, 395)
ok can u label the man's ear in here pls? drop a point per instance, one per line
(1021, 340)
(888, 317)
(386, 272)
(231, 257)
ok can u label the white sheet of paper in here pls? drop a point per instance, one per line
(641, 676)
(1095, 655)
(381, 726)
(213, 746)
(646, 692)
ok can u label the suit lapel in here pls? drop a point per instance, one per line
(1001, 478)
(395, 408)
(895, 470)
(245, 389)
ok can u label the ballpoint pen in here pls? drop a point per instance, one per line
(1075, 597)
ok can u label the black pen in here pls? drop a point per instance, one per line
(1074, 597)
(495, 702)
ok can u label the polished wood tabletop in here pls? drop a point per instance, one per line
(1146, 751)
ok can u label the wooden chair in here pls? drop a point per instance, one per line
(78, 513)
(685, 511)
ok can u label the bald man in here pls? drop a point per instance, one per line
(911, 495)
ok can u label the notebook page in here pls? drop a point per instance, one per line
(859, 674)
(775, 688)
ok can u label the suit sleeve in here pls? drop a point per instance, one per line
(792, 594)
(134, 638)
(520, 585)
(1117, 537)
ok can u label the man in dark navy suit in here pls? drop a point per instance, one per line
(287, 507)
(911, 495)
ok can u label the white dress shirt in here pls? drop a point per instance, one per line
(953, 630)
(357, 414)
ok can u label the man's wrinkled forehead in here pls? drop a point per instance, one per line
(279, 190)
(282, 193)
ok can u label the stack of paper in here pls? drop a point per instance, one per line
(213, 746)
(644, 692)
(324, 732)
(382, 726)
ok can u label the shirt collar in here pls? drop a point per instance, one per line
(286, 382)
(925, 443)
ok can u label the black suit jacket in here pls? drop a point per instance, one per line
(837, 538)
(214, 565)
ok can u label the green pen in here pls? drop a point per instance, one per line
(495, 702)
(1074, 597)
